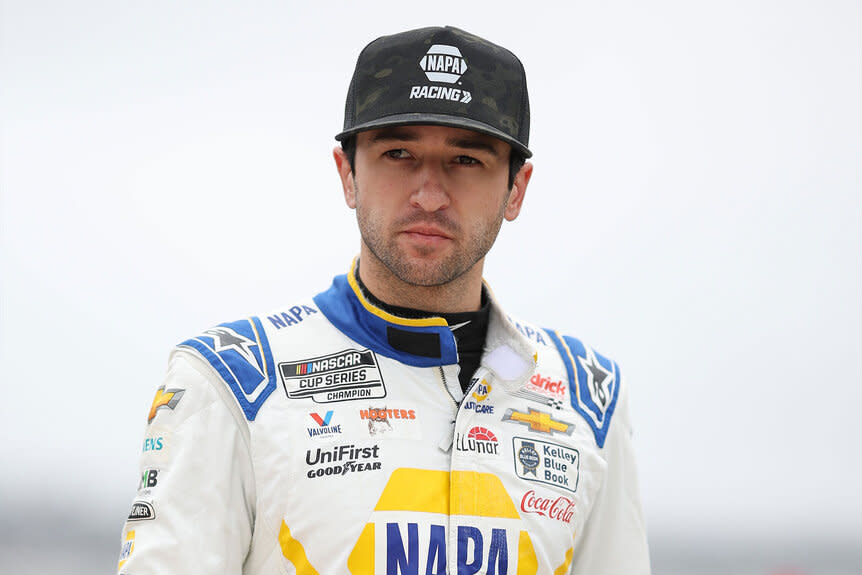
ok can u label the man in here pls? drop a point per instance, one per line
(399, 422)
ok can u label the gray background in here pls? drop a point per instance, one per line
(695, 213)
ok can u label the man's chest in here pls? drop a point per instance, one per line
(368, 465)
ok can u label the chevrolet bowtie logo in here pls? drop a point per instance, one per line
(169, 399)
(539, 421)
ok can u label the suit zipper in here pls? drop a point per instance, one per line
(446, 386)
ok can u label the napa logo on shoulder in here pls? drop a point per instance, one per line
(445, 64)
(342, 376)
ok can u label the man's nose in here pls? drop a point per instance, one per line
(431, 193)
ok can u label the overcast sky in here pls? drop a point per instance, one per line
(695, 213)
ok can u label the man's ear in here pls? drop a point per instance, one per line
(519, 188)
(345, 172)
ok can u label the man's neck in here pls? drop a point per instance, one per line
(460, 295)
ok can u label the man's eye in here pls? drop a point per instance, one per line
(467, 160)
(398, 154)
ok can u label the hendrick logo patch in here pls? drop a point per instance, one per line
(546, 463)
(343, 376)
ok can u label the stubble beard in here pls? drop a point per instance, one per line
(415, 270)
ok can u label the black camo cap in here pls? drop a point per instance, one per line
(441, 76)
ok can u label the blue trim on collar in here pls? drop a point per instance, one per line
(342, 307)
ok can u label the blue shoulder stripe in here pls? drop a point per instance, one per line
(239, 351)
(594, 383)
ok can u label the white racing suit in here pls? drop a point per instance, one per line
(332, 437)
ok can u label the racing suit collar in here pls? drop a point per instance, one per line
(425, 342)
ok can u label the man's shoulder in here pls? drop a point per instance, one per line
(593, 379)
(241, 351)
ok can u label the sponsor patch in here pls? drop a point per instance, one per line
(409, 532)
(547, 463)
(164, 399)
(323, 425)
(342, 460)
(127, 549)
(384, 420)
(343, 376)
(149, 479)
(559, 508)
(478, 440)
(292, 316)
(154, 443)
(142, 511)
(529, 332)
(443, 64)
(538, 421)
(548, 386)
(476, 400)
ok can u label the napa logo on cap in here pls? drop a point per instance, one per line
(443, 63)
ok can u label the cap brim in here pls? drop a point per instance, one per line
(436, 120)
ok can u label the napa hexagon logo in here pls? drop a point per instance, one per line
(443, 63)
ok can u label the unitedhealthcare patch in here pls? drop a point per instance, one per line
(342, 376)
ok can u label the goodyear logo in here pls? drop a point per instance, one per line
(343, 376)
(341, 460)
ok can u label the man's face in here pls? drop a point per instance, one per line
(430, 200)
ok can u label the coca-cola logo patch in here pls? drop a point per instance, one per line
(559, 508)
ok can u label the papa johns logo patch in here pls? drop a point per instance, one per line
(342, 376)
